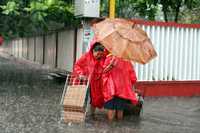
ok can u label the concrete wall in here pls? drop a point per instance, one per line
(15, 52)
(24, 48)
(20, 48)
(39, 48)
(66, 50)
(79, 47)
(31, 48)
(50, 50)
(56, 50)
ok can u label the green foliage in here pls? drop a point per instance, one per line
(145, 9)
(191, 14)
(20, 18)
(28, 17)
(172, 8)
(10, 8)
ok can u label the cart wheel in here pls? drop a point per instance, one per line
(134, 109)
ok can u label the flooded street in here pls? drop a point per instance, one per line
(29, 103)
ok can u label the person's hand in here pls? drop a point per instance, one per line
(108, 68)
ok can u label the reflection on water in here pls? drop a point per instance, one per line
(29, 103)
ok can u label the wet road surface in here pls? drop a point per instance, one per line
(29, 103)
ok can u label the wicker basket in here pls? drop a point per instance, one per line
(74, 100)
(75, 97)
(73, 116)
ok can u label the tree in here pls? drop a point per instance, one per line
(191, 15)
(145, 9)
(28, 17)
(20, 18)
(171, 8)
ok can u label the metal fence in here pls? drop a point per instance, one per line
(178, 48)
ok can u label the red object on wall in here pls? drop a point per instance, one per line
(1, 40)
(169, 88)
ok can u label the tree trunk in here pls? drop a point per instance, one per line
(177, 10)
(165, 9)
(165, 15)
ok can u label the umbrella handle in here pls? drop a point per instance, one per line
(113, 61)
(110, 66)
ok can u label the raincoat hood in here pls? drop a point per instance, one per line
(94, 40)
(88, 66)
(85, 65)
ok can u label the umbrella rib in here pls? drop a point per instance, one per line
(137, 42)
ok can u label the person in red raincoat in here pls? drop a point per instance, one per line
(90, 65)
(118, 79)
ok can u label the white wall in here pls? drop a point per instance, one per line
(178, 54)
(66, 49)
(31, 47)
(25, 48)
(50, 50)
(39, 49)
(20, 49)
(79, 48)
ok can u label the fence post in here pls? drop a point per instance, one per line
(56, 59)
(75, 45)
(44, 46)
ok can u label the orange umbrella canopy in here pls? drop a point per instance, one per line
(125, 40)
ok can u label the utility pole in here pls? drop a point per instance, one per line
(112, 9)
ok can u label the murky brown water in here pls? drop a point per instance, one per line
(29, 103)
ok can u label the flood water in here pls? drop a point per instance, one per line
(29, 103)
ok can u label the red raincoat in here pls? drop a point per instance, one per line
(119, 80)
(88, 66)
(1, 40)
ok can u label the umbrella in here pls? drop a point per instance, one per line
(124, 39)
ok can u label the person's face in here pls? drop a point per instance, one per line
(98, 54)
